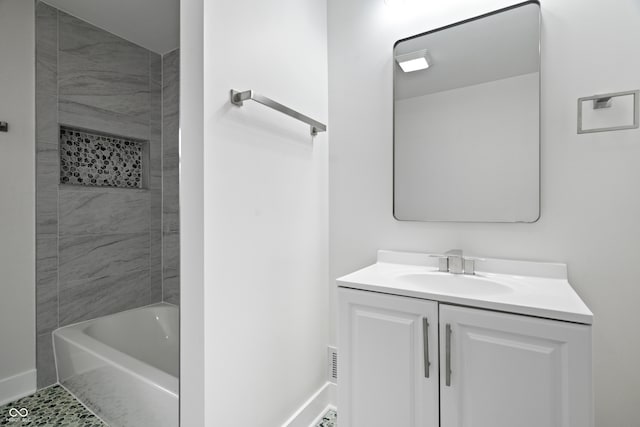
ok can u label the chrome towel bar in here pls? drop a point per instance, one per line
(238, 98)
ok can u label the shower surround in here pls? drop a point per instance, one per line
(101, 250)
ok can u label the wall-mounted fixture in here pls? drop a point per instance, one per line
(238, 98)
(466, 131)
(609, 112)
(4, 127)
(413, 61)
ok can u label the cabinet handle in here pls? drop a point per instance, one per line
(448, 356)
(425, 336)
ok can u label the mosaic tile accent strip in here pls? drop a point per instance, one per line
(49, 407)
(99, 160)
(330, 419)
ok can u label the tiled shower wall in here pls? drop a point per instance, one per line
(100, 250)
(170, 202)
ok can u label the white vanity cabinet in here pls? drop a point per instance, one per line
(487, 368)
(388, 361)
(507, 370)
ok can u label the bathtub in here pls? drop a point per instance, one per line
(124, 367)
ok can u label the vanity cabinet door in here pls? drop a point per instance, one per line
(382, 380)
(508, 370)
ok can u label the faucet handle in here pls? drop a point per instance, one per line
(443, 262)
(469, 265)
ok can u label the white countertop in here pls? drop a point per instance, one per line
(528, 288)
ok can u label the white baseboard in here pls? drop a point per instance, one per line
(314, 408)
(17, 386)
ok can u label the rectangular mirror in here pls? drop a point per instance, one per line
(467, 120)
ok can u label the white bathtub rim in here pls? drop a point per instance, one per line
(74, 335)
(111, 356)
(155, 304)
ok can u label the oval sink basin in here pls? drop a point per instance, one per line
(454, 283)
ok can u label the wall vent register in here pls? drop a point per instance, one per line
(99, 160)
(332, 367)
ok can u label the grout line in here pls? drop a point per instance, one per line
(149, 166)
(57, 113)
(162, 177)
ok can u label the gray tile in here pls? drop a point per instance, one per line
(171, 249)
(155, 141)
(87, 299)
(170, 159)
(92, 189)
(155, 165)
(76, 114)
(170, 102)
(170, 218)
(47, 167)
(155, 67)
(170, 124)
(46, 49)
(171, 290)
(83, 212)
(170, 143)
(103, 80)
(46, 284)
(171, 82)
(45, 364)
(46, 118)
(47, 213)
(171, 268)
(170, 135)
(156, 285)
(170, 174)
(155, 110)
(156, 211)
(156, 227)
(170, 201)
(82, 257)
(155, 257)
(171, 64)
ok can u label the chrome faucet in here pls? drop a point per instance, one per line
(454, 262)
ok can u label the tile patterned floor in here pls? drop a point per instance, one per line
(55, 407)
(50, 407)
(330, 419)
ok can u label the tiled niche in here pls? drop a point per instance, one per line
(96, 160)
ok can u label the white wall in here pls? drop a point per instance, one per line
(192, 286)
(17, 189)
(590, 206)
(461, 137)
(265, 209)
